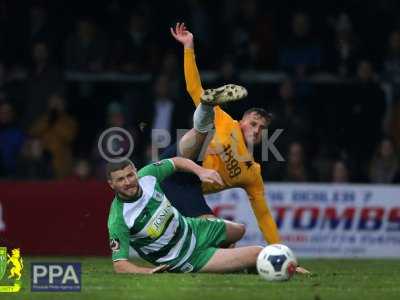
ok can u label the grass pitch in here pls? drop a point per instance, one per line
(332, 279)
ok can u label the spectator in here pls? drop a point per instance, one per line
(391, 64)
(363, 115)
(39, 29)
(291, 114)
(114, 14)
(322, 163)
(56, 130)
(296, 169)
(340, 172)
(342, 56)
(82, 170)
(6, 87)
(384, 164)
(115, 117)
(227, 71)
(86, 49)
(3, 77)
(44, 79)
(199, 20)
(171, 68)
(392, 59)
(394, 123)
(34, 162)
(135, 51)
(252, 40)
(301, 52)
(152, 154)
(11, 141)
(3, 33)
(163, 105)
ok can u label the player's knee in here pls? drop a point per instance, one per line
(234, 231)
(241, 230)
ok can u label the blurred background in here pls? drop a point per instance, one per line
(329, 71)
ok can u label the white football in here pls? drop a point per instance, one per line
(276, 262)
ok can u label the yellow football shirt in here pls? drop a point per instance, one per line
(227, 153)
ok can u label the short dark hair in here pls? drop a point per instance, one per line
(259, 111)
(116, 166)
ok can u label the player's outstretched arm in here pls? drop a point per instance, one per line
(205, 175)
(265, 220)
(124, 266)
(192, 75)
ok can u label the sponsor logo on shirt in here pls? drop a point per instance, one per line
(231, 163)
(158, 196)
(158, 222)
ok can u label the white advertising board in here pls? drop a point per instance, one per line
(321, 220)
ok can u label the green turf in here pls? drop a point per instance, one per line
(332, 279)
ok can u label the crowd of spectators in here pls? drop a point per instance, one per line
(338, 101)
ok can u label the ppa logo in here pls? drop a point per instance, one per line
(62, 277)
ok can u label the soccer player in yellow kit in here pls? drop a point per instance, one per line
(228, 151)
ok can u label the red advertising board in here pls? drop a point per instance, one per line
(55, 218)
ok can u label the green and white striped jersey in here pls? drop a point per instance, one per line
(154, 228)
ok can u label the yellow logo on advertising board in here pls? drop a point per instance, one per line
(16, 263)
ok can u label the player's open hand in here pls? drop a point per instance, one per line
(210, 176)
(159, 269)
(182, 35)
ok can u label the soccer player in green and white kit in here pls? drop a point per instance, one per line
(141, 217)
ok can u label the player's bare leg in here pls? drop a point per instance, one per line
(191, 144)
(234, 232)
(231, 260)
(193, 141)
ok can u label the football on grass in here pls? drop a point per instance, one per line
(276, 262)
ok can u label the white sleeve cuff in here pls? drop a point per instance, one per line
(172, 162)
